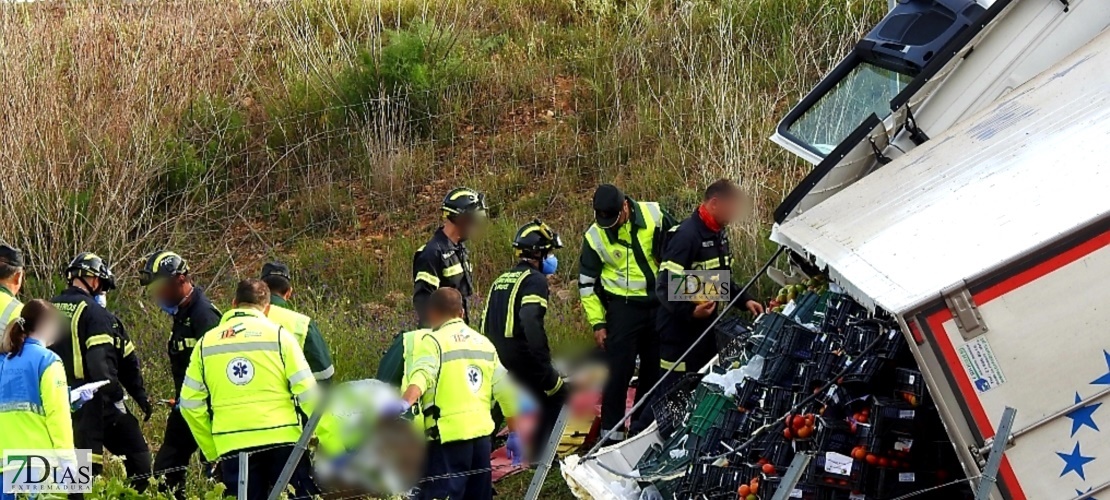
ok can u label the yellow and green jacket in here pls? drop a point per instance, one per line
(308, 335)
(621, 263)
(246, 384)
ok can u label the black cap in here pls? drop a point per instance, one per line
(608, 204)
(11, 256)
(275, 269)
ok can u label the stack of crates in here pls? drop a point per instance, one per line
(831, 361)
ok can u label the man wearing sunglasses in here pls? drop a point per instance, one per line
(620, 259)
(443, 262)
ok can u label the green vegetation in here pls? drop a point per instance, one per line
(324, 132)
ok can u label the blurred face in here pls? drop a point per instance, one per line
(470, 225)
(48, 330)
(168, 291)
(725, 209)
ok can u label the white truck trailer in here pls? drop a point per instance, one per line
(967, 196)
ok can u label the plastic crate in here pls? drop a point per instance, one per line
(711, 407)
(839, 311)
(766, 333)
(778, 371)
(909, 386)
(749, 393)
(888, 483)
(778, 401)
(862, 371)
(823, 475)
(893, 416)
(835, 436)
(709, 481)
(797, 342)
(804, 307)
(673, 408)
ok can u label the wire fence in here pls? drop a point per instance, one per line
(401, 116)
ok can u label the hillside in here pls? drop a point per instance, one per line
(324, 133)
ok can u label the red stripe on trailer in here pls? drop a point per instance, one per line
(936, 324)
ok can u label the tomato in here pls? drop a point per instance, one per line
(863, 418)
(755, 486)
(805, 432)
(811, 420)
(883, 462)
(894, 464)
(744, 490)
(859, 453)
(787, 434)
(872, 459)
(843, 482)
(798, 422)
(856, 417)
(763, 461)
(769, 469)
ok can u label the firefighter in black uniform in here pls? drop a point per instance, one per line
(95, 348)
(698, 243)
(443, 261)
(166, 275)
(514, 322)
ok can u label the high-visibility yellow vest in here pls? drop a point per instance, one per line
(456, 405)
(10, 307)
(408, 346)
(295, 322)
(621, 274)
(245, 380)
(34, 400)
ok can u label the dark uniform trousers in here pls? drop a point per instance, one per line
(178, 446)
(458, 471)
(264, 467)
(630, 333)
(99, 426)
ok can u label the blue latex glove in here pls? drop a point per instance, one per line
(395, 408)
(515, 449)
(84, 396)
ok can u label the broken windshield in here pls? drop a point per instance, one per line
(866, 89)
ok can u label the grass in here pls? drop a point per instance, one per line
(324, 132)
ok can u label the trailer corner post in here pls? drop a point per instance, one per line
(244, 472)
(548, 456)
(298, 449)
(990, 473)
(792, 476)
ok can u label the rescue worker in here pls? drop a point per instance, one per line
(443, 262)
(244, 391)
(34, 400)
(92, 349)
(395, 362)
(455, 376)
(514, 321)
(698, 243)
(277, 277)
(166, 275)
(616, 283)
(11, 281)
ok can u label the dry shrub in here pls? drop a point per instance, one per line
(90, 90)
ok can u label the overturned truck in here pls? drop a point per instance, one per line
(958, 200)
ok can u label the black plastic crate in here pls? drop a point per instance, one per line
(796, 341)
(887, 483)
(835, 436)
(778, 371)
(673, 408)
(891, 344)
(861, 370)
(823, 474)
(890, 416)
(860, 336)
(749, 394)
(839, 311)
(778, 401)
(767, 332)
(909, 386)
(709, 481)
